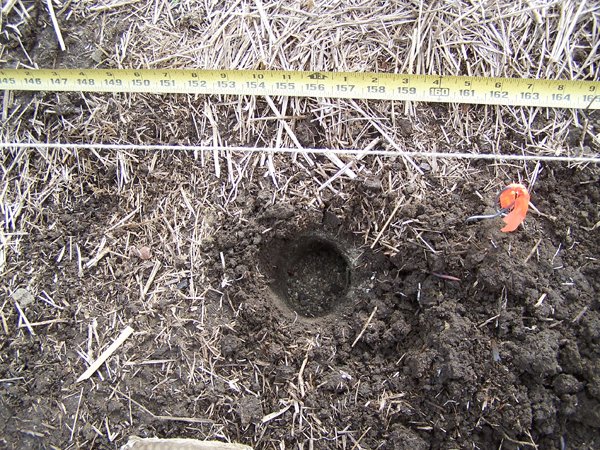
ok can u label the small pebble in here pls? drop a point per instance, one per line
(373, 184)
(145, 253)
(23, 297)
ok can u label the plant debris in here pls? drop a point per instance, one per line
(409, 359)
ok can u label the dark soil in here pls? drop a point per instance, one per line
(252, 333)
(477, 363)
(311, 275)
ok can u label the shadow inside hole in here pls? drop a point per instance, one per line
(311, 275)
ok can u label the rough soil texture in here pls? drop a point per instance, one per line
(442, 364)
(310, 274)
(273, 311)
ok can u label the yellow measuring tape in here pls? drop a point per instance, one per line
(365, 85)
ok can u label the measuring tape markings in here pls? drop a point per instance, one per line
(365, 85)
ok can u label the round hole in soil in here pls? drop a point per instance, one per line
(312, 276)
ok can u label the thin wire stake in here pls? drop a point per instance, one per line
(486, 216)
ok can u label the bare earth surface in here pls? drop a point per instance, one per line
(287, 302)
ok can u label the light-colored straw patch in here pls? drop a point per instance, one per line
(74, 221)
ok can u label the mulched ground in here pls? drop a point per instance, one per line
(505, 356)
(285, 302)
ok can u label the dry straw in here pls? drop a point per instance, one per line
(118, 160)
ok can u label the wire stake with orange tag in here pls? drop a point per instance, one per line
(514, 203)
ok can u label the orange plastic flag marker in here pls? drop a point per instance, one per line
(514, 198)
